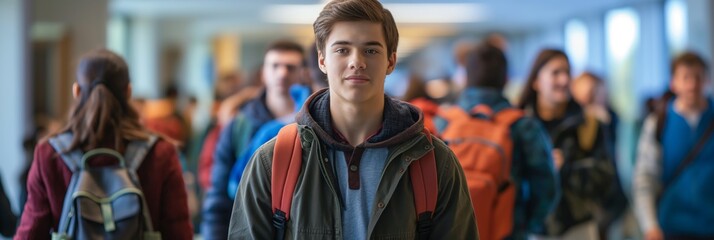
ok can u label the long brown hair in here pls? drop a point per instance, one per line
(102, 109)
(529, 95)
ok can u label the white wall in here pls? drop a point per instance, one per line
(86, 23)
(144, 58)
(699, 17)
(14, 93)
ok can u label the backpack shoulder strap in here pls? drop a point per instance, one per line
(287, 163)
(72, 159)
(136, 151)
(426, 189)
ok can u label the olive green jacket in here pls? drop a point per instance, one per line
(316, 207)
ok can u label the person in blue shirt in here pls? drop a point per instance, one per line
(283, 67)
(673, 204)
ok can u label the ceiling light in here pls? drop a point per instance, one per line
(403, 13)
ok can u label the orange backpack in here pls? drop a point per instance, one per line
(429, 109)
(482, 142)
(287, 163)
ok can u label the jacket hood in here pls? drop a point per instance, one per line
(401, 122)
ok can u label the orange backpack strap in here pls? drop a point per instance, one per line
(426, 189)
(287, 163)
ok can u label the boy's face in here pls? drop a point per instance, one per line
(281, 69)
(688, 83)
(356, 61)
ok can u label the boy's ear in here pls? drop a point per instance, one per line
(321, 61)
(75, 90)
(392, 61)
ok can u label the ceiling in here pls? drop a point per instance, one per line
(420, 20)
(505, 15)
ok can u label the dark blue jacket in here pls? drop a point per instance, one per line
(235, 140)
(232, 141)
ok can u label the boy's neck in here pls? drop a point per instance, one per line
(356, 121)
(693, 108)
(279, 104)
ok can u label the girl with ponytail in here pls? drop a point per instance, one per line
(103, 118)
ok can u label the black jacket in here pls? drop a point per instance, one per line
(591, 188)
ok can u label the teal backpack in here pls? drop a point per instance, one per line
(104, 202)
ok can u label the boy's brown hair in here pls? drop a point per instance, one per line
(355, 10)
(689, 59)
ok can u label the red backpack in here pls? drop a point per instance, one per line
(482, 142)
(287, 163)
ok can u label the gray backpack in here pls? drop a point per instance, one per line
(104, 202)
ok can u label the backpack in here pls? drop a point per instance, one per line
(429, 109)
(482, 142)
(287, 163)
(104, 202)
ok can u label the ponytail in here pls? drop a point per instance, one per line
(102, 110)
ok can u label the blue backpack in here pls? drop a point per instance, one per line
(104, 202)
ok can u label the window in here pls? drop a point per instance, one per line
(622, 28)
(676, 24)
(576, 45)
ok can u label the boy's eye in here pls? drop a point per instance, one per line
(371, 51)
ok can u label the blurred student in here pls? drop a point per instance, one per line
(226, 102)
(283, 67)
(161, 116)
(672, 188)
(102, 117)
(592, 197)
(416, 95)
(590, 92)
(531, 171)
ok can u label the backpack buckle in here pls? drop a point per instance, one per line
(279, 222)
(424, 225)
